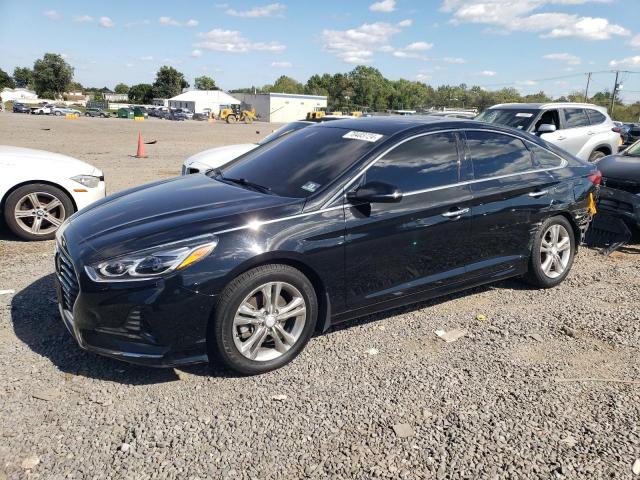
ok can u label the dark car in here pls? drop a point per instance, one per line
(334, 221)
(175, 115)
(632, 131)
(21, 108)
(96, 112)
(620, 191)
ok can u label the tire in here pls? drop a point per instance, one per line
(49, 220)
(537, 274)
(225, 336)
(231, 119)
(596, 155)
(57, 114)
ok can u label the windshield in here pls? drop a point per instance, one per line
(301, 163)
(633, 150)
(285, 129)
(509, 117)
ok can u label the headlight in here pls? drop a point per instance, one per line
(153, 262)
(87, 180)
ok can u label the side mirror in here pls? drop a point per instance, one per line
(375, 192)
(546, 128)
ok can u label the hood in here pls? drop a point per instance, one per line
(219, 156)
(621, 167)
(167, 211)
(36, 160)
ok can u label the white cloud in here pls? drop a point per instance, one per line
(357, 45)
(146, 58)
(405, 23)
(423, 77)
(418, 46)
(106, 22)
(563, 57)
(129, 65)
(628, 62)
(281, 64)
(635, 41)
(454, 60)
(487, 73)
(83, 18)
(232, 41)
(196, 53)
(138, 23)
(526, 83)
(271, 10)
(169, 21)
(385, 6)
(506, 16)
(52, 15)
(191, 23)
(66, 56)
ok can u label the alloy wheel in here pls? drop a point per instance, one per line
(269, 321)
(39, 213)
(555, 251)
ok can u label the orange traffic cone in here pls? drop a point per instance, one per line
(140, 153)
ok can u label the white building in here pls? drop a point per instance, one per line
(282, 107)
(13, 94)
(198, 100)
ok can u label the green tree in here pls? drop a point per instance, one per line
(169, 83)
(121, 88)
(6, 80)
(205, 83)
(75, 87)
(286, 84)
(141, 93)
(23, 77)
(51, 75)
(370, 88)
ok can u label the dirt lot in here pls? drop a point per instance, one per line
(546, 386)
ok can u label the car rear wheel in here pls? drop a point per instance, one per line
(263, 320)
(552, 253)
(231, 119)
(36, 211)
(596, 155)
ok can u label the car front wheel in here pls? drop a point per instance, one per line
(596, 155)
(552, 253)
(263, 320)
(35, 211)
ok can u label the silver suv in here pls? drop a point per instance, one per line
(582, 129)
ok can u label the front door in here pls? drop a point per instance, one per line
(419, 243)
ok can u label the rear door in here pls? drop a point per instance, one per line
(575, 131)
(510, 193)
(423, 241)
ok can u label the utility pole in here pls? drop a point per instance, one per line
(586, 90)
(613, 96)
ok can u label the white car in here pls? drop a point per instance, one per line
(39, 190)
(220, 156)
(42, 109)
(582, 129)
(64, 111)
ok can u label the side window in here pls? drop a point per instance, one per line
(543, 158)
(575, 117)
(425, 162)
(495, 154)
(550, 117)
(595, 117)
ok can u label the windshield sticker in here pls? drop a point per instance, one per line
(524, 114)
(310, 186)
(365, 136)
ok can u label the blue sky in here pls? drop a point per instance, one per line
(523, 43)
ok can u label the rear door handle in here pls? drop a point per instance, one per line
(455, 213)
(538, 193)
(591, 133)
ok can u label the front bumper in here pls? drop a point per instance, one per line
(620, 203)
(84, 199)
(158, 324)
(194, 167)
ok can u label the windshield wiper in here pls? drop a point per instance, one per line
(242, 182)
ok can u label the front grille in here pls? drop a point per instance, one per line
(68, 281)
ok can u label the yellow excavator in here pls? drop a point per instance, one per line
(233, 114)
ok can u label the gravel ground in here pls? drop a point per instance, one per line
(546, 384)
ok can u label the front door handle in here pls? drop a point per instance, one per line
(455, 213)
(561, 138)
(538, 193)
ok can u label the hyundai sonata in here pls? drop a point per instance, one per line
(242, 265)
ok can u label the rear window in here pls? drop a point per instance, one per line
(575, 117)
(595, 117)
(304, 162)
(509, 117)
(495, 154)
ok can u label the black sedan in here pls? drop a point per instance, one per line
(337, 220)
(21, 108)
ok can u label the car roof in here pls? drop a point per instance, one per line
(393, 125)
(544, 106)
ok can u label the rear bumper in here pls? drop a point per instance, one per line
(621, 204)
